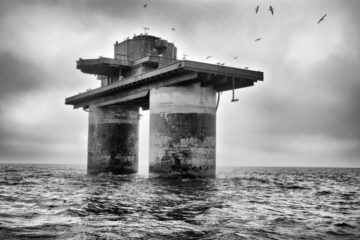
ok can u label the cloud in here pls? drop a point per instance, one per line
(307, 107)
(17, 75)
(306, 112)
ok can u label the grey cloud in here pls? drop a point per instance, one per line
(17, 75)
(44, 140)
(322, 102)
(323, 99)
(327, 104)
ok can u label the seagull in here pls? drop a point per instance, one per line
(146, 29)
(173, 29)
(222, 64)
(236, 57)
(257, 9)
(208, 57)
(271, 9)
(322, 18)
(258, 39)
(145, 5)
(184, 56)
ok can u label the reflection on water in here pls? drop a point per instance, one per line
(47, 202)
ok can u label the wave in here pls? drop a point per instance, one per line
(343, 224)
(51, 202)
(323, 193)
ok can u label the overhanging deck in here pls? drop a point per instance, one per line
(102, 66)
(135, 88)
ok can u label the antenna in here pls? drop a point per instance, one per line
(145, 30)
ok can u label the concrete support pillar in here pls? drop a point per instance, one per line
(113, 139)
(183, 131)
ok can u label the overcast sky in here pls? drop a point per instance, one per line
(305, 113)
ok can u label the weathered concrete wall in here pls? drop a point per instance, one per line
(141, 68)
(113, 139)
(142, 46)
(183, 131)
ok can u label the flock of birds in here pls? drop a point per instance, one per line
(257, 9)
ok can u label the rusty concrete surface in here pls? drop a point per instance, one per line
(113, 140)
(182, 131)
(183, 145)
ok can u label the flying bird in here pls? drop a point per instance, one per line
(173, 29)
(236, 57)
(257, 9)
(322, 19)
(146, 29)
(208, 57)
(258, 39)
(271, 9)
(145, 5)
(184, 56)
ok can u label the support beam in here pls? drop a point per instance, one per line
(140, 90)
(238, 83)
(125, 98)
(214, 80)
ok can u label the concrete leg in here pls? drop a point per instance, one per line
(183, 131)
(113, 139)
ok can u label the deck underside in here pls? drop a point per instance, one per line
(135, 89)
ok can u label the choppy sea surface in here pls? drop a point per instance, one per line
(63, 202)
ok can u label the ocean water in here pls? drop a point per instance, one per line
(62, 202)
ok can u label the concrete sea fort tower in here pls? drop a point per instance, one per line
(181, 97)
